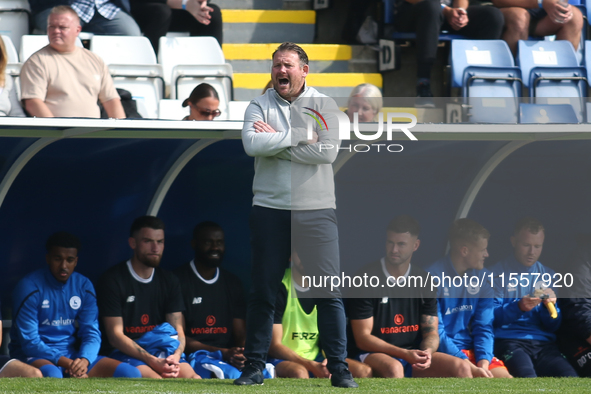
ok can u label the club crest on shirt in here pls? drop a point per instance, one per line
(75, 302)
(473, 289)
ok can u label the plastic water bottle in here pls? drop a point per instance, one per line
(563, 3)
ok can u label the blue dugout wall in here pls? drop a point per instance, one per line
(93, 178)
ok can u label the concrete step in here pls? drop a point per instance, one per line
(264, 4)
(266, 26)
(328, 58)
(297, 4)
(250, 85)
(250, 4)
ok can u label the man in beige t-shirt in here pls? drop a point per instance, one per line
(63, 80)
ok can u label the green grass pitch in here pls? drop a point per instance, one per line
(496, 386)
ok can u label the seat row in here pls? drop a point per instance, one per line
(182, 63)
(548, 70)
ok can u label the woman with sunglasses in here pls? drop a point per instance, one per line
(203, 103)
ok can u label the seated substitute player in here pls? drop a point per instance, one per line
(47, 304)
(13, 368)
(137, 295)
(397, 335)
(466, 313)
(215, 309)
(574, 335)
(523, 325)
(295, 344)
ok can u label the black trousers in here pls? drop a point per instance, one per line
(426, 20)
(528, 358)
(157, 19)
(314, 235)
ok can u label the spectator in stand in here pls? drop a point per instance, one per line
(428, 17)
(203, 103)
(524, 18)
(366, 100)
(9, 104)
(63, 80)
(158, 17)
(106, 17)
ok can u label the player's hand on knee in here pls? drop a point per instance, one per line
(172, 372)
(78, 368)
(420, 359)
(173, 359)
(234, 356)
(482, 368)
(319, 369)
(478, 372)
(162, 367)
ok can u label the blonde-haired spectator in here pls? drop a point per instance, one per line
(366, 100)
(9, 105)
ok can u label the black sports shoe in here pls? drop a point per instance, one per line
(424, 96)
(250, 375)
(343, 379)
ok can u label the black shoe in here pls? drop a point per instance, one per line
(424, 96)
(250, 375)
(343, 379)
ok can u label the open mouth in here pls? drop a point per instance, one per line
(283, 81)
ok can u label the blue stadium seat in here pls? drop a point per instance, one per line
(550, 69)
(586, 6)
(587, 58)
(543, 113)
(489, 79)
(552, 73)
(488, 63)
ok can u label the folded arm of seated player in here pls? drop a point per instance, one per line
(429, 326)
(369, 343)
(27, 322)
(120, 341)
